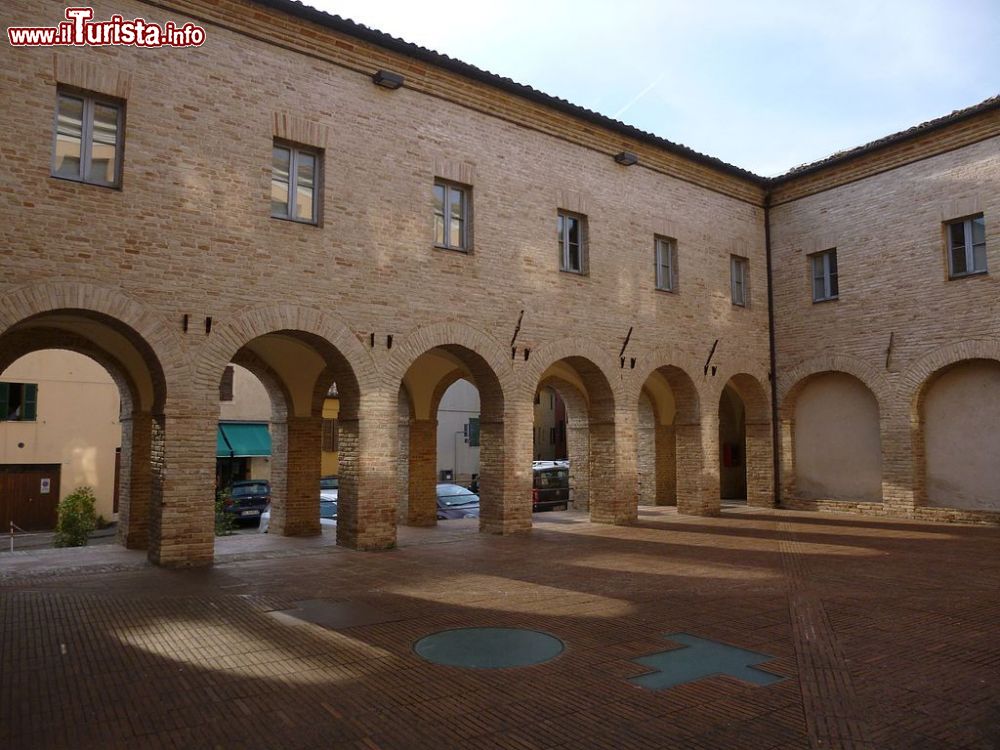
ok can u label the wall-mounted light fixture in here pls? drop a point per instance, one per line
(626, 158)
(387, 79)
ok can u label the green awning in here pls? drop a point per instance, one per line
(241, 439)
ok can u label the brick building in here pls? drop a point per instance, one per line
(325, 205)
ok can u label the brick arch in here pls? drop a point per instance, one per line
(687, 396)
(916, 379)
(348, 357)
(409, 347)
(153, 336)
(443, 385)
(684, 365)
(753, 394)
(281, 399)
(17, 344)
(596, 368)
(792, 382)
(913, 387)
(577, 437)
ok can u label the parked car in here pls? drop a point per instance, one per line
(550, 485)
(328, 491)
(248, 499)
(455, 501)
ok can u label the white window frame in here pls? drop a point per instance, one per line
(294, 152)
(665, 258)
(820, 269)
(564, 243)
(970, 249)
(87, 134)
(464, 235)
(739, 268)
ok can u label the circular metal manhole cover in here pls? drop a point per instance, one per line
(489, 648)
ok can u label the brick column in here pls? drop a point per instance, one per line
(698, 467)
(602, 472)
(505, 474)
(904, 468)
(403, 465)
(786, 437)
(135, 480)
(422, 469)
(366, 511)
(182, 503)
(626, 496)
(578, 451)
(646, 449)
(759, 465)
(296, 466)
(666, 465)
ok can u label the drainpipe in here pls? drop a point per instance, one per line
(775, 453)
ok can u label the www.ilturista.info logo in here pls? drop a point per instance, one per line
(78, 30)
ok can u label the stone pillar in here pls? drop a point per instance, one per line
(366, 511)
(603, 484)
(182, 503)
(296, 465)
(135, 482)
(646, 454)
(626, 495)
(422, 473)
(578, 451)
(403, 464)
(904, 467)
(759, 465)
(698, 466)
(505, 474)
(666, 465)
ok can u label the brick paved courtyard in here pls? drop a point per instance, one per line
(887, 632)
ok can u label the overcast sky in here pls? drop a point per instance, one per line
(763, 84)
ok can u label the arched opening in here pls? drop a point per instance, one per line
(82, 399)
(451, 442)
(669, 442)
(746, 468)
(299, 403)
(732, 447)
(956, 459)
(836, 440)
(589, 406)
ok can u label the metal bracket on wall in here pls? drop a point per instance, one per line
(621, 354)
(709, 360)
(888, 351)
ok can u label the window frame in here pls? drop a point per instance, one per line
(564, 243)
(969, 246)
(294, 150)
(670, 245)
(828, 277)
(465, 238)
(743, 263)
(89, 99)
(329, 435)
(28, 403)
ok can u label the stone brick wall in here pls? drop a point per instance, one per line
(899, 319)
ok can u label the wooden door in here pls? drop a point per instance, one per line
(29, 494)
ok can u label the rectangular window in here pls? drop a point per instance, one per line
(451, 216)
(329, 435)
(967, 247)
(295, 184)
(738, 271)
(88, 139)
(18, 402)
(473, 432)
(824, 276)
(572, 243)
(226, 384)
(666, 263)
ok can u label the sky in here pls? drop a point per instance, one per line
(763, 84)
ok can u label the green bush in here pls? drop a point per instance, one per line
(76, 518)
(224, 522)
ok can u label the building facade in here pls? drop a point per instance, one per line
(365, 214)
